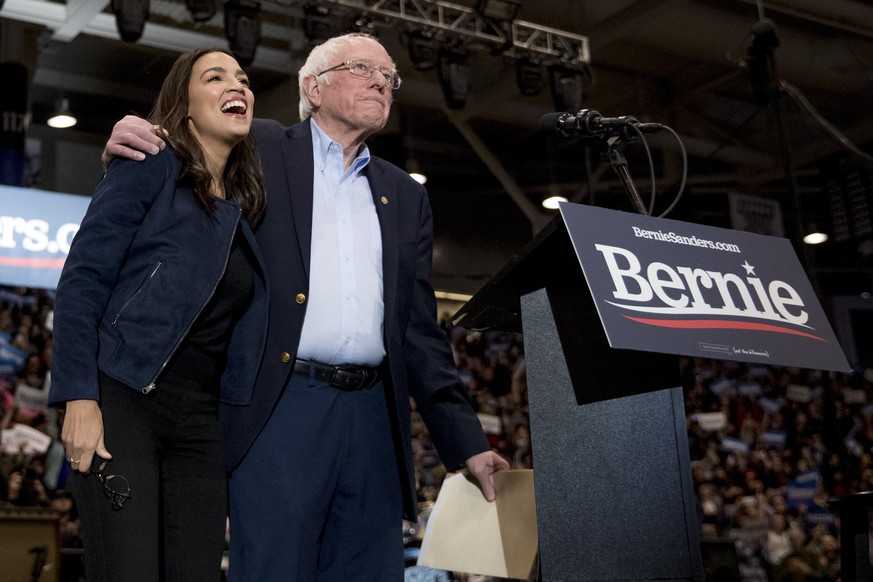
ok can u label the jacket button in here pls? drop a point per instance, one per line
(301, 298)
(286, 357)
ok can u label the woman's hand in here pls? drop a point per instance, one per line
(83, 434)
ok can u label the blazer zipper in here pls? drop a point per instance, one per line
(151, 385)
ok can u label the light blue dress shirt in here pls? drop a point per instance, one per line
(345, 309)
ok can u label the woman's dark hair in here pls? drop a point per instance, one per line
(242, 173)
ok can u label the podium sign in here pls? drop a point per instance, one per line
(674, 287)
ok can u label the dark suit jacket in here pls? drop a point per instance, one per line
(419, 359)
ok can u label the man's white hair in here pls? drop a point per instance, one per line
(322, 57)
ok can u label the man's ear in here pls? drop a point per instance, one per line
(313, 90)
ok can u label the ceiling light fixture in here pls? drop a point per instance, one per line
(414, 169)
(567, 85)
(242, 29)
(62, 118)
(529, 76)
(454, 75)
(201, 10)
(130, 18)
(422, 50)
(553, 199)
(499, 9)
(319, 24)
(363, 23)
(816, 237)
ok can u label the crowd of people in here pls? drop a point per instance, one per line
(769, 446)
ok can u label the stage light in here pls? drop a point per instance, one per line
(815, 236)
(130, 18)
(62, 118)
(201, 10)
(319, 24)
(454, 75)
(414, 170)
(499, 9)
(567, 85)
(529, 76)
(552, 202)
(242, 29)
(363, 23)
(760, 61)
(553, 197)
(422, 51)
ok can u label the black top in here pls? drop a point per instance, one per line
(203, 354)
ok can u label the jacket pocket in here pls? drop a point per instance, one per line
(151, 275)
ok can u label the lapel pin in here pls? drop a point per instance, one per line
(384, 200)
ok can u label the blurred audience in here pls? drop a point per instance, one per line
(769, 446)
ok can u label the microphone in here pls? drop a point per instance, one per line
(589, 123)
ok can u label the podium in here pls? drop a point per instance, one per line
(856, 523)
(612, 469)
(611, 465)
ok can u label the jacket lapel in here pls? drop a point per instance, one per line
(299, 175)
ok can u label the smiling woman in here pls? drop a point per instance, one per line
(191, 107)
(160, 313)
(220, 105)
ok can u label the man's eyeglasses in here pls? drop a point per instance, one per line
(365, 70)
(116, 487)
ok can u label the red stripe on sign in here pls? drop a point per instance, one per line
(32, 263)
(720, 324)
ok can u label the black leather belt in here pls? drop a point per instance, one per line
(342, 377)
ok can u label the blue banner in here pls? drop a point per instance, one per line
(801, 493)
(774, 438)
(36, 229)
(11, 359)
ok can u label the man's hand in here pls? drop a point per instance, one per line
(482, 467)
(132, 138)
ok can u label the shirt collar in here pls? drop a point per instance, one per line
(321, 148)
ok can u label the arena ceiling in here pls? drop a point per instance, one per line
(683, 63)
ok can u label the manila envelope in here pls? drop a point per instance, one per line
(465, 533)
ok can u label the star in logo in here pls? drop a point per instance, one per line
(750, 270)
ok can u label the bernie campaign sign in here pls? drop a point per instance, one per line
(36, 230)
(667, 286)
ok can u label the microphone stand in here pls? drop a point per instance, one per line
(619, 164)
(609, 134)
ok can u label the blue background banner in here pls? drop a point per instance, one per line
(36, 229)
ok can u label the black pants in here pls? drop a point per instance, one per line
(168, 446)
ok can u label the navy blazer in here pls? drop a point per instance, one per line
(419, 358)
